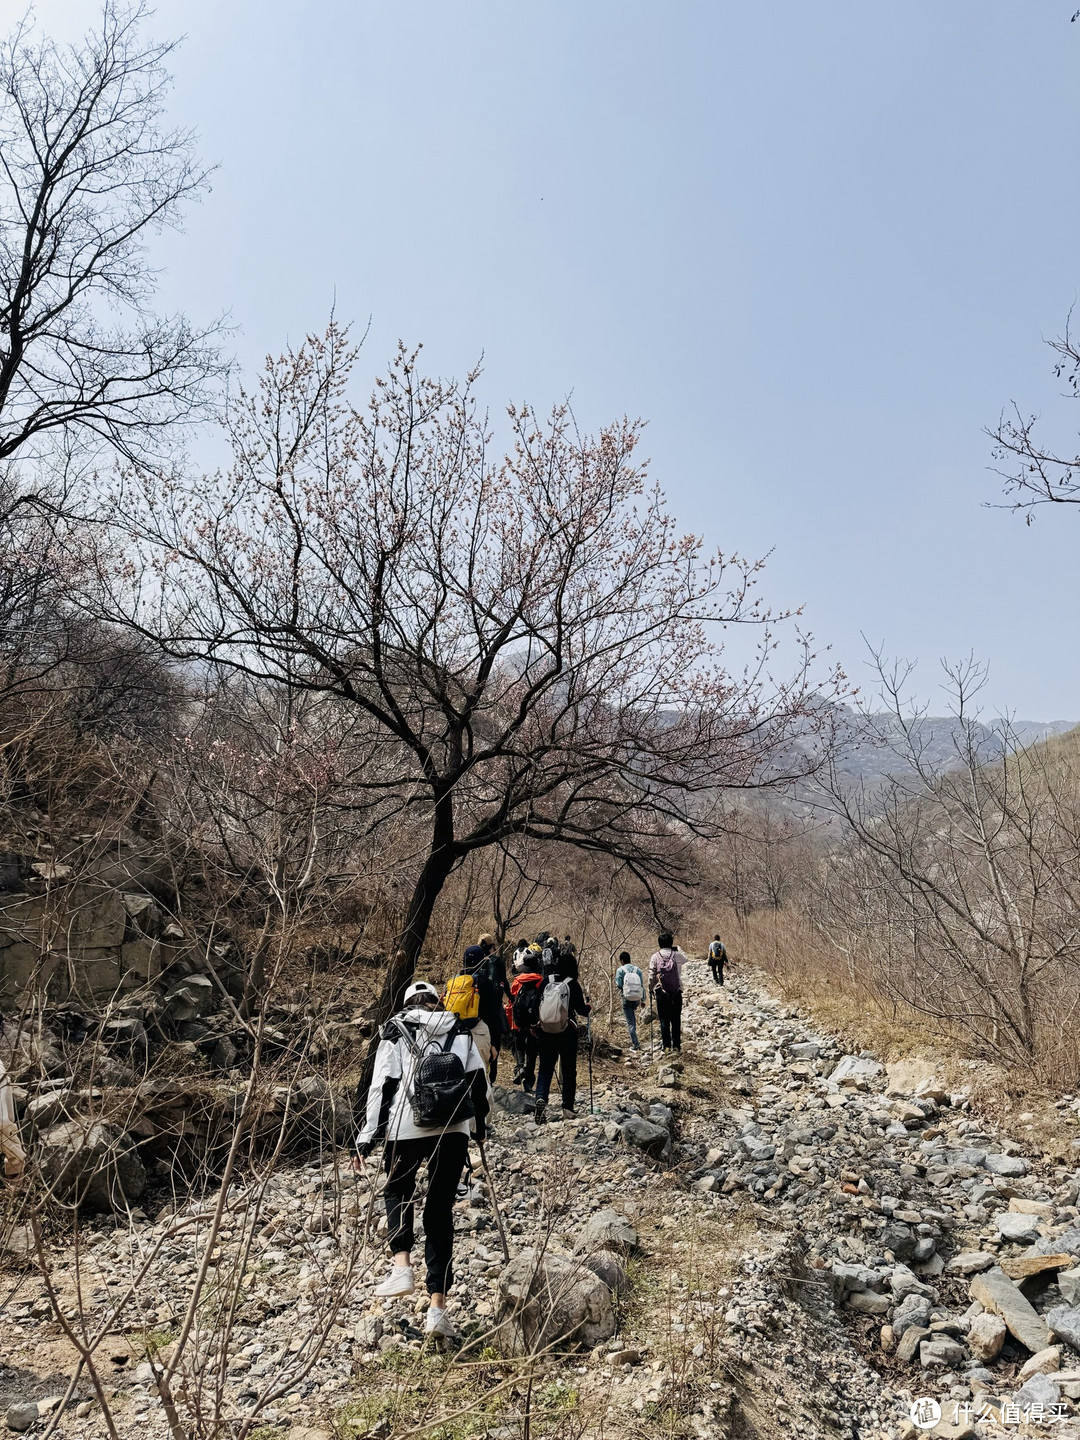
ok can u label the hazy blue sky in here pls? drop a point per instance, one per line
(817, 246)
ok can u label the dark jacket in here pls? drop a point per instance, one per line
(489, 972)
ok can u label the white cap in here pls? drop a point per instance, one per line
(421, 991)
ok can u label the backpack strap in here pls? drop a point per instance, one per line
(397, 1023)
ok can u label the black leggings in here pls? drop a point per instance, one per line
(445, 1155)
(669, 1013)
(526, 1048)
(561, 1048)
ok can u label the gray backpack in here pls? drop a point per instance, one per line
(555, 1007)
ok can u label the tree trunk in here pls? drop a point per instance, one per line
(402, 966)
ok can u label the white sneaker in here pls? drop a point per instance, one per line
(398, 1282)
(438, 1323)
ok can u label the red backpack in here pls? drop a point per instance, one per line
(526, 1003)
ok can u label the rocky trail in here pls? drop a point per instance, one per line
(764, 1237)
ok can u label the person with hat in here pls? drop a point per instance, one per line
(483, 962)
(399, 1100)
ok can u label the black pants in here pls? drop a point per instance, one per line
(525, 1051)
(717, 968)
(445, 1155)
(561, 1048)
(669, 1013)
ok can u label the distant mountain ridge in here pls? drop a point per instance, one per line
(862, 756)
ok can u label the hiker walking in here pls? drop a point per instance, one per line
(549, 950)
(521, 956)
(525, 1011)
(630, 984)
(665, 989)
(717, 957)
(488, 972)
(428, 1093)
(557, 1035)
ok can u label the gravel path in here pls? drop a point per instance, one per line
(805, 1251)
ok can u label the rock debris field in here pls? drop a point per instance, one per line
(764, 1236)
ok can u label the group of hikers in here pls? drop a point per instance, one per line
(437, 1058)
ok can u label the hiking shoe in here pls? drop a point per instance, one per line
(398, 1282)
(438, 1323)
(540, 1112)
(568, 1114)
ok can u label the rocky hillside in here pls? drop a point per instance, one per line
(766, 1238)
(864, 756)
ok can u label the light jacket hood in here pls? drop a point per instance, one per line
(435, 1022)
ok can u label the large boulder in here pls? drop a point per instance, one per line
(965, 1156)
(548, 1301)
(609, 1267)
(91, 1164)
(126, 1034)
(644, 1135)
(514, 1102)
(941, 1352)
(970, 1262)
(997, 1293)
(1007, 1165)
(1039, 1390)
(192, 998)
(608, 1230)
(1021, 1229)
(856, 1071)
(899, 1238)
(47, 1109)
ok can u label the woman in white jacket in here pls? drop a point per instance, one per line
(422, 1030)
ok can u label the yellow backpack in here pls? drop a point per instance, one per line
(462, 997)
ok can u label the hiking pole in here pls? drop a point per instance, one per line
(589, 1043)
(494, 1202)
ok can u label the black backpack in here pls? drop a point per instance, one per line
(441, 1092)
(527, 1006)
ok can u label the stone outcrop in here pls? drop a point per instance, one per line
(548, 1301)
(92, 1165)
(997, 1293)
